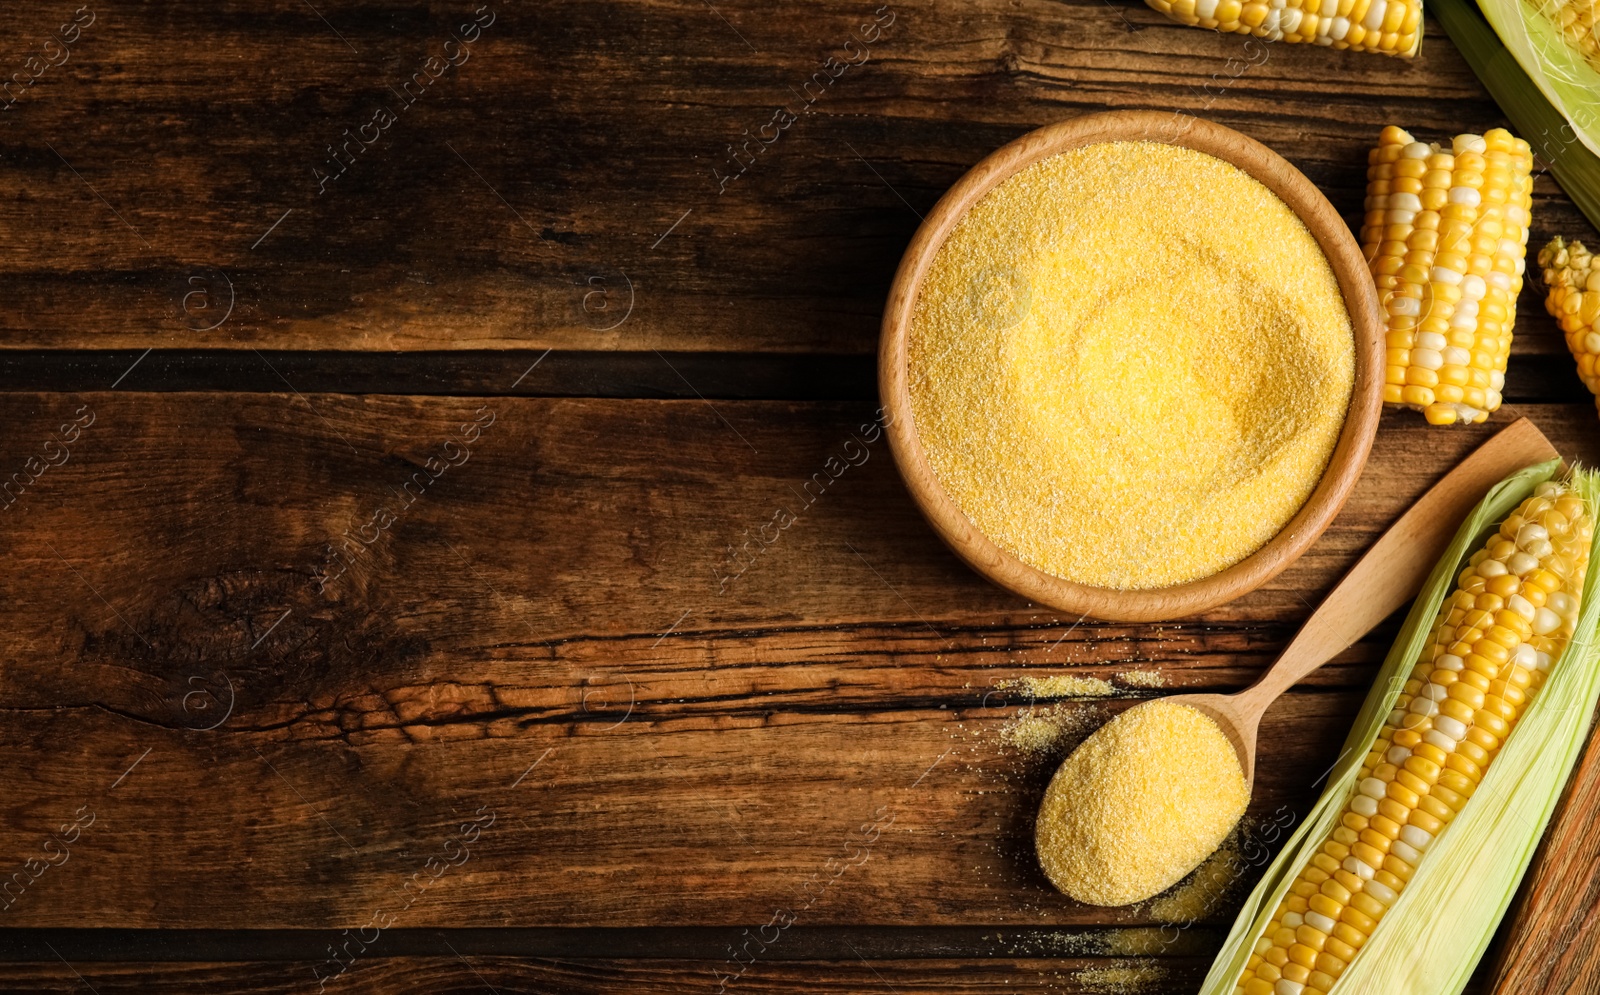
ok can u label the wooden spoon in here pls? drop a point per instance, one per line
(1391, 573)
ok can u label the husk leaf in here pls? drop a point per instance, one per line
(1567, 144)
(1560, 71)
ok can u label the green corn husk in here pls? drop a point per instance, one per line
(1431, 939)
(1560, 71)
(1568, 141)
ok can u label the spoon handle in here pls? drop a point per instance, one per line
(1396, 566)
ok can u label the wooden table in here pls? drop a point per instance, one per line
(399, 398)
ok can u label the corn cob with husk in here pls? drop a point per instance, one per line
(1492, 643)
(1459, 755)
(1572, 276)
(1392, 27)
(1445, 235)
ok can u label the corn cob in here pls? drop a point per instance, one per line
(1576, 21)
(1573, 277)
(1491, 645)
(1393, 27)
(1446, 233)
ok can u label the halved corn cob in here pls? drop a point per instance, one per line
(1393, 27)
(1572, 275)
(1492, 643)
(1576, 20)
(1446, 234)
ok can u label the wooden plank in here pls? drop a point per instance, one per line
(705, 943)
(548, 629)
(512, 372)
(889, 817)
(1066, 975)
(539, 373)
(202, 181)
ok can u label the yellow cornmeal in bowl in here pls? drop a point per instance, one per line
(1130, 364)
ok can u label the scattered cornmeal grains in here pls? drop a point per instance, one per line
(1041, 731)
(1143, 678)
(1139, 804)
(1060, 686)
(1129, 364)
(1127, 978)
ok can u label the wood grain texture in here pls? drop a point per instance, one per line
(1066, 975)
(1550, 943)
(523, 373)
(301, 733)
(524, 200)
(275, 649)
(704, 943)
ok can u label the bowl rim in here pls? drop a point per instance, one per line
(1344, 467)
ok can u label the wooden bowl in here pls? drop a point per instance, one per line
(1349, 455)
